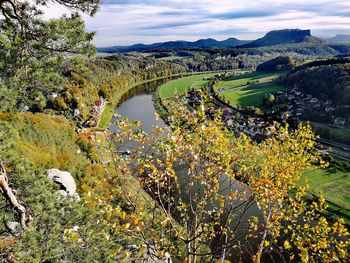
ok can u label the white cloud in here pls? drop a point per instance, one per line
(125, 22)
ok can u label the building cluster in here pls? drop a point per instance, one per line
(287, 106)
(296, 103)
(253, 126)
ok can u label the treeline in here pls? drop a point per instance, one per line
(312, 50)
(326, 62)
(227, 59)
(283, 63)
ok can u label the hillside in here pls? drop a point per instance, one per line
(286, 36)
(326, 78)
(202, 43)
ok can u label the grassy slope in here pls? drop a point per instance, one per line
(31, 144)
(250, 95)
(335, 187)
(333, 183)
(180, 86)
(239, 92)
(241, 80)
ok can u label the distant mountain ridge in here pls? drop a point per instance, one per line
(202, 43)
(272, 38)
(286, 36)
(339, 39)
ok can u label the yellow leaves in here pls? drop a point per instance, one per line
(71, 235)
(287, 245)
(339, 228)
(159, 254)
(233, 195)
(156, 115)
(304, 256)
(165, 221)
(177, 132)
(127, 226)
(126, 254)
(267, 243)
(210, 156)
(141, 169)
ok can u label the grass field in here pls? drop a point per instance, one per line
(333, 183)
(182, 85)
(243, 80)
(250, 95)
(248, 89)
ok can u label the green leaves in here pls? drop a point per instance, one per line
(34, 53)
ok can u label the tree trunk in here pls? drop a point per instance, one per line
(262, 243)
(7, 192)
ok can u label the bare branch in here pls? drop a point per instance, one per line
(11, 197)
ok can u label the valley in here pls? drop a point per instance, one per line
(160, 131)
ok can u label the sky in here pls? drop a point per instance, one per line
(126, 22)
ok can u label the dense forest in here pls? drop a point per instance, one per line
(328, 79)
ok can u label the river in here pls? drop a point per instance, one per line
(137, 104)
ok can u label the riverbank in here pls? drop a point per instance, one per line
(109, 110)
(103, 143)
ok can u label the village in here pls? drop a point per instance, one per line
(288, 106)
(296, 104)
(234, 119)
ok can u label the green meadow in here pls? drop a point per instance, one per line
(246, 79)
(182, 85)
(250, 95)
(332, 182)
(248, 89)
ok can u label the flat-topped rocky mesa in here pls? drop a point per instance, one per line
(286, 36)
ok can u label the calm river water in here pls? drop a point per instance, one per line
(137, 104)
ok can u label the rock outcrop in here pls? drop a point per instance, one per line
(66, 182)
(14, 228)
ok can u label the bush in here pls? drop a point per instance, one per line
(60, 104)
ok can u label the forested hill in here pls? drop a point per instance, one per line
(202, 43)
(286, 36)
(329, 79)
